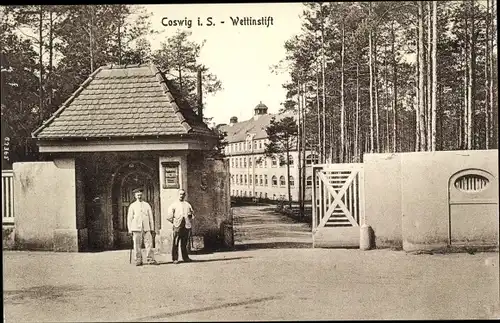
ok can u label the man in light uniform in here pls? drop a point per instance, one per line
(140, 224)
(180, 213)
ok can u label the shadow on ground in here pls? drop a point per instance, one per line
(272, 245)
(204, 309)
(45, 292)
(203, 260)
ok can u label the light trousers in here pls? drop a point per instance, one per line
(138, 237)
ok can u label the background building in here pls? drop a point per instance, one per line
(252, 173)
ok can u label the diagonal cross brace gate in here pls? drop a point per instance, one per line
(338, 203)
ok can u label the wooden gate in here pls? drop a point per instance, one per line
(338, 204)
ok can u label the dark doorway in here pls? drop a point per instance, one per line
(133, 175)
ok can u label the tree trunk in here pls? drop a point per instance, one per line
(356, 136)
(423, 146)
(417, 100)
(386, 103)
(287, 174)
(299, 142)
(332, 140)
(342, 103)
(51, 58)
(91, 39)
(303, 177)
(394, 93)
(492, 18)
(471, 85)
(465, 123)
(318, 114)
(370, 63)
(323, 67)
(434, 75)
(429, 78)
(375, 89)
(119, 40)
(40, 62)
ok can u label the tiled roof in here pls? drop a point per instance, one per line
(238, 131)
(123, 101)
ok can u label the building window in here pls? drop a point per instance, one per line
(265, 195)
(250, 193)
(245, 162)
(311, 159)
(260, 144)
(245, 179)
(260, 180)
(282, 181)
(282, 161)
(249, 161)
(245, 193)
(236, 163)
(265, 162)
(249, 179)
(291, 181)
(291, 161)
(274, 181)
(309, 181)
(241, 179)
(256, 179)
(274, 162)
(265, 180)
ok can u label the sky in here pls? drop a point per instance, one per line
(240, 56)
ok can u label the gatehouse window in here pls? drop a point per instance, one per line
(282, 181)
(274, 181)
(471, 183)
(170, 174)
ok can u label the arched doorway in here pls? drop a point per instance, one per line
(133, 175)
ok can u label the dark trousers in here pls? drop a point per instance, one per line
(181, 236)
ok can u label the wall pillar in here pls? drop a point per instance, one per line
(169, 194)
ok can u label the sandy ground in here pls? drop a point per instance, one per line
(253, 284)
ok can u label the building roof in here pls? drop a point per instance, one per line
(238, 131)
(123, 101)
